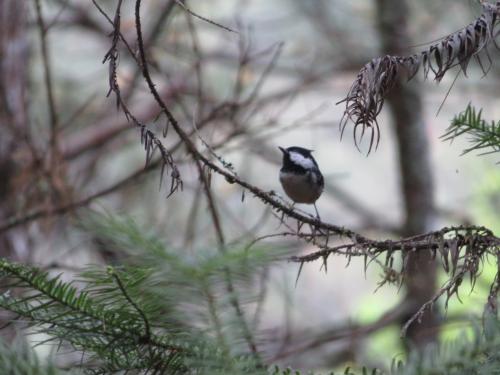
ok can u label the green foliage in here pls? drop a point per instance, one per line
(482, 134)
(477, 356)
(165, 312)
(19, 359)
(486, 204)
(168, 312)
(98, 319)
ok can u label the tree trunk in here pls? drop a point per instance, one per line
(415, 170)
(13, 120)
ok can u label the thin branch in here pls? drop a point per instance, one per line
(182, 5)
(228, 277)
(430, 240)
(351, 332)
(451, 287)
(48, 78)
(116, 27)
(66, 208)
(147, 328)
(158, 27)
(212, 207)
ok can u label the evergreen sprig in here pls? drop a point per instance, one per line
(164, 312)
(478, 354)
(98, 319)
(482, 134)
(19, 359)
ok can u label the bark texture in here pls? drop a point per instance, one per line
(14, 49)
(417, 185)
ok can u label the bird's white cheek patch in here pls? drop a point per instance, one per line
(298, 159)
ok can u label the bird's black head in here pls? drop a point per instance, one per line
(297, 159)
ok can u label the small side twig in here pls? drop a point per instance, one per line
(147, 328)
(182, 5)
(47, 77)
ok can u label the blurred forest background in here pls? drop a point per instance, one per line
(243, 77)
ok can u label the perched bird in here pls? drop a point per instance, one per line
(300, 176)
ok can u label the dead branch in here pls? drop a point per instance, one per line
(365, 99)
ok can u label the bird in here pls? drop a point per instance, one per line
(300, 176)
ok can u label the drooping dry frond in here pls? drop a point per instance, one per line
(365, 99)
(149, 140)
(461, 250)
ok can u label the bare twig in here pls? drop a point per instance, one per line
(182, 5)
(47, 77)
(351, 332)
(233, 298)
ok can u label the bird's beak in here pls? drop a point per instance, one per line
(283, 150)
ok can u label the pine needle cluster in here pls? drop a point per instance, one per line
(163, 313)
(481, 133)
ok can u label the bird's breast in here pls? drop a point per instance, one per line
(301, 188)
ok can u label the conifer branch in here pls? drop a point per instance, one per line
(93, 320)
(147, 329)
(481, 133)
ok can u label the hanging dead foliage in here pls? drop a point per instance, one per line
(365, 98)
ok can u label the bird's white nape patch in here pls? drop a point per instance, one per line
(300, 160)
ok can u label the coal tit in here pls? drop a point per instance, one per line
(300, 176)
